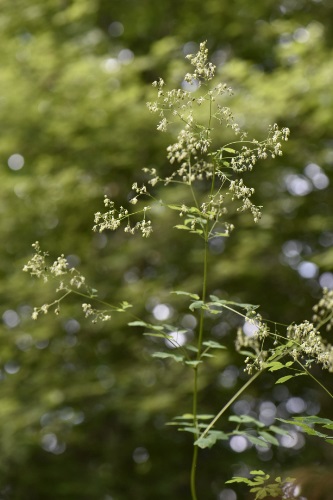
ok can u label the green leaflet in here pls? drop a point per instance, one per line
(229, 150)
(193, 296)
(213, 345)
(287, 377)
(225, 235)
(253, 439)
(209, 440)
(261, 487)
(282, 380)
(274, 366)
(247, 307)
(198, 304)
(305, 424)
(269, 438)
(245, 419)
(161, 335)
(278, 430)
(186, 416)
(147, 325)
(165, 355)
(175, 207)
(193, 363)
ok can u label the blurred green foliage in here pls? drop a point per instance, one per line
(83, 406)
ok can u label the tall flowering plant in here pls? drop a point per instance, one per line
(211, 175)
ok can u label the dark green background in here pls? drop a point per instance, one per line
(82, 406)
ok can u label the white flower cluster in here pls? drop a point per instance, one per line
(256, 361)
(213, 209)
(203, 70)
(186, 152)
(303, 342)
(191, 154)
(154, 178)
(308, 342)
(139, 191)
(70, 278)
(324, 310)
(69, 281)
(248, 156)
(59, 267)
(144, 226)
(224, 114)
(255, 342)
(36, 266)
(240, 191)
(113, 218)
(37, 310)
(95, 314)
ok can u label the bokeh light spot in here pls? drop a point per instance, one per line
(238, 443)
(307, 270)
(11, 318)
(227, 494)
(162, 312)
(140, 455)
(15, 161)
(326, 280)
(116, 29)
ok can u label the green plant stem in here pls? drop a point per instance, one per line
(315, 379)
(196, 372)
(193, 473)
(229, 403)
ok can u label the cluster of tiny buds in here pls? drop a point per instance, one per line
(324, 310)
(240, 191)
(95, 314)
(138, 190)
(213, 209)
(71, 278)
(309, 342)
(228, 228)
(248, 156)
(254, 342)
(110, 219)
(203, 70)
(154, 178)
(38, 267)
(277, 134)
(113, 218)
(37, 310)
(224, 114)
(144, 226)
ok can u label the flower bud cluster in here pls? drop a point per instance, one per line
(309, 343)
(69, 279)
(113, 218)
(240, 191)
(324, 310)
(110, 219)
(203, 70)
(95, 314)
(191, 154)
(255, 342)
(36, 266)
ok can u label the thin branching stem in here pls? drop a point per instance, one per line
(229, 403)
(196, 372)
(315, 379)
